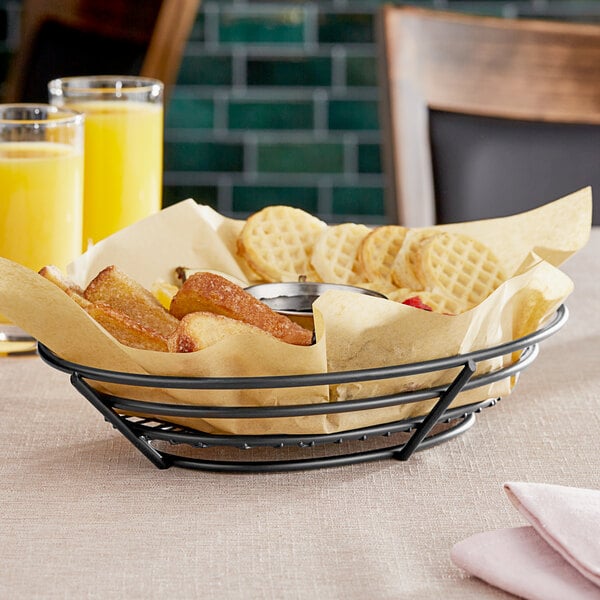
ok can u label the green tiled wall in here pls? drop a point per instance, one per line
(277, 102)
(288, 92)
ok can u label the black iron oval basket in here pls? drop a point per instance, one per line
(442, 423)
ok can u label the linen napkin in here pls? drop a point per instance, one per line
(556, 557)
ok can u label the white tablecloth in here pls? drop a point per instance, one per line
(85, 515)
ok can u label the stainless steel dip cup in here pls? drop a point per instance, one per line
(295, 299)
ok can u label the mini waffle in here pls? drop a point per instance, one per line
(335, 254)
(461, 268)
(277, 243)
(401, 294)
(405, 270)
(378, 251)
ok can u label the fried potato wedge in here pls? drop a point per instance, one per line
(126, 330)
(208, 292)
(121, 292)
(198, 330)
(123, 328)
(57, 277)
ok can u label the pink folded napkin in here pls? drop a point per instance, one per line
(556, 557)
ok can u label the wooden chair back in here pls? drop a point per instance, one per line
(97, 37)
(484, 116)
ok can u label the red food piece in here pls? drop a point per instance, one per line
(417, 303)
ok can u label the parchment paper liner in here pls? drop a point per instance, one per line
(354, 331)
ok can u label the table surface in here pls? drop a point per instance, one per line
(86, 515)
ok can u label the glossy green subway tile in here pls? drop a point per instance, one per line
(361, 71)
(357, 200)
(301, 158)
(344, 28)
(244, 26)
(203, 156)
(197, 32)
(369, 158)
(192, 113)
(353, 115)
(205, 70)
(252, 198)
(203, 194)
(270, 115)
(310, 71)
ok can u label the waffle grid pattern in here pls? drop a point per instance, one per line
(335, 255)
(379, 250)
(277, 242)
(460, 267)
(405, 270)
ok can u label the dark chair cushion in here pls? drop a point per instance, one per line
(489, 167)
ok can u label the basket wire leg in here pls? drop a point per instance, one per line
(165, 460)
(436, 412)
(139, 441)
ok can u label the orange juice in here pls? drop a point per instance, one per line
(40, 203)
(123, 164)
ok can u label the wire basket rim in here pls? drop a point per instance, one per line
(305, 379)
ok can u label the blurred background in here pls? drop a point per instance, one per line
(277, 102)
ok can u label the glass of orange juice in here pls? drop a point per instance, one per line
(41, 193)
(123, 148)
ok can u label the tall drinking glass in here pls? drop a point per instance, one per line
(41, 193)
(123, 148)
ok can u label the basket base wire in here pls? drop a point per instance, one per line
(464, 423)
(418, 441)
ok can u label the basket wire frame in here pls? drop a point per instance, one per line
(142, 432)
